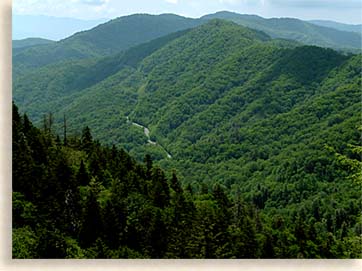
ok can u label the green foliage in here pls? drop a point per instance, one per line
(353, 165)
(24, 243)
(246, 119)
(29, 42)
(105, 39)
(294, 29)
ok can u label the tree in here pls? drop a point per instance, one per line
(221, 237)
(352, 165)
(82, 177)
(160, 193)
(65, 141)
(86, 140)
(91, 227)
(148, 162)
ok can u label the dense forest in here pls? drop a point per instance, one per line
(125, 32)
(74, 198)
(198, 141)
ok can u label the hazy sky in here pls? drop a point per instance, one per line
(348, 11)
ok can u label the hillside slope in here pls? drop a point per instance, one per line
(339, 26)
(30, 42)
(25, 44)
(75, 198)
(105, 39)
(265, 118)
(128, 31)
(294, 29)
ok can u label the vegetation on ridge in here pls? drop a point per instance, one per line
(77, 199)
(271, 127)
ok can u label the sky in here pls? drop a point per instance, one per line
(346, 11)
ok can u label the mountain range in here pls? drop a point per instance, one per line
(125, 32)
(339, 26)
(294, 29)
(216, 101)
(47, 27)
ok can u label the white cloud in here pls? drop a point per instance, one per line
(92, 2)
(244, 2)
(336, 4)
(340, 10)
(172, 1)
(230, 2)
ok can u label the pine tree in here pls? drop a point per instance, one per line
(82, 177)
(91, 227)
(160, 193)
(221, 238)
(86, 140)
(148, 162)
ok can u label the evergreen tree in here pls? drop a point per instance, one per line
(91, 227)
(82, 177)
(86, 140)
(160, 193)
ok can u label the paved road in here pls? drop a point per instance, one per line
(146, 131)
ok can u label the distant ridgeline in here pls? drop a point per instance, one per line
(270, 125)
(124, 32)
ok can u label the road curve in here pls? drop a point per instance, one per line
(146, 131)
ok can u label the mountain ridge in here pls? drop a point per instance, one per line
(266, 119)
(49, 27)
(102, 40)
(295, 29)
(109, 38)
(339, 26)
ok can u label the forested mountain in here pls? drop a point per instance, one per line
(77, 199)
(270, 120)
(105, 39)
(128, 31)
(294, 29)
(48, 27)
(340, 26)
(25, 44)
(71, 77)
(29, 42)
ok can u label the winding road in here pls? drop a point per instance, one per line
(146, 131)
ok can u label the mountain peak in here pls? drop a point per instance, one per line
(228, 15)
(231, 28)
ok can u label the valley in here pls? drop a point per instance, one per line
(147, 134)
(220, 117)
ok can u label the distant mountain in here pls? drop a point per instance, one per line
(124, 32)
(106, 39)
(71, 77)
(225, 104)
(294, 29)
(21, 45)
(339, 26)
(53, 28)
(30, 42)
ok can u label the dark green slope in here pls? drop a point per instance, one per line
(105, 39)
(187, 64)
(16, 44)
(175, 66)
(125, 32)
(294, 29)
(262, 117)
(77, 199)
(19, 46)
(271, 113)
(43, 90)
